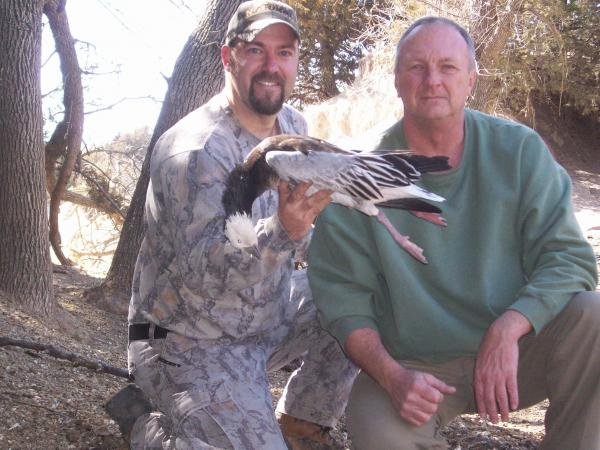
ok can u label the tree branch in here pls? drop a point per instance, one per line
(51, 92)
(104, 108)
(33, 405)
(66, 140)
(82, 200)
(77, 360)
(106, 195)
(48, 58)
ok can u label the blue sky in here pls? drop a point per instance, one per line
(140, 39)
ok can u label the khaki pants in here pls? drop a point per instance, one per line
(561, 363)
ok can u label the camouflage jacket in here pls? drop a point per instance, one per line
(188, 277)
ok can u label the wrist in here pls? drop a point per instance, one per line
(295, 235)
(511, 325)
(293, 231)
(392, 371)
(278, 238)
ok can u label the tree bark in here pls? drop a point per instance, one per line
(197, 76)
(491, 33)
(25, 267)
(66, 139)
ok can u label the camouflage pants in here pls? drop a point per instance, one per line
(212, 394)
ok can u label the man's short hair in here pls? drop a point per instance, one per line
(432, 20)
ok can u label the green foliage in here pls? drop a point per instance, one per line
(549, 50)
(332, 45)
(555, 53)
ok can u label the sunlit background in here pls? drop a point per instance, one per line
(129, 46)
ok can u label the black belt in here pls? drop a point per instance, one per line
(141, 331)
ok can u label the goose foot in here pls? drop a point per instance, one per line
(431, 217)
(403, 241)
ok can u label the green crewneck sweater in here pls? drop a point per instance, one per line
(512, 242)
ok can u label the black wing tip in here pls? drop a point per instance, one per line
(412, 204)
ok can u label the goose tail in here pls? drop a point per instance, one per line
(426, 164)
(412, 204)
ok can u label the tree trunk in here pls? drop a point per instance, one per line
(329, 87)
(491, 33)
(66, 139)
(25, 268)
(197, 76)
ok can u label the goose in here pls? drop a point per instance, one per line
(363, 181)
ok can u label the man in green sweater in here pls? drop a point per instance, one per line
(504, 315)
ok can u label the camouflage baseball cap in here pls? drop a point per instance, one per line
(254, 16)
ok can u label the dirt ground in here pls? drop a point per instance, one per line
(49, 403)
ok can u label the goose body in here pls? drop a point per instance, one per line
(363, 181)
(359, 181)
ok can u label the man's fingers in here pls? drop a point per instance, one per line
(513, 393)
(297, 212)
(435, 394)
(316, 201)
(502, 401)
(300, 190)
(490, 402)
(508, 395)
(496, 396)
(480, 400)
(319, 200)
(424, 402)
(443, 387)
(283, 189)
(417, 411)
(319, 196)
(418, 418)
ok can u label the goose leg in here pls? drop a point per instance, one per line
(403, 241)
(431, 217)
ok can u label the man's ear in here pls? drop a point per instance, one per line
(226, 57)
(397, 83)
(472, 80)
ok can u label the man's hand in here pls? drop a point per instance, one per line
(297, 212)
(495, 378)
(416, 395)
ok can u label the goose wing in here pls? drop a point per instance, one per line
(303, 144)
(289, 143)
(373, 176)
(411, 164)
(358, 175)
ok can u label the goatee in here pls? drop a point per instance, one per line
(266, 105)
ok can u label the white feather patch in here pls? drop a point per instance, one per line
(239, 229)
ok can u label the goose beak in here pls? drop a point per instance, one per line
(254, 251)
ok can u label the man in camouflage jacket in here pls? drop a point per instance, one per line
(208, 321)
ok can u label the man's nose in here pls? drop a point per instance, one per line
(270, 63)
(433, 76)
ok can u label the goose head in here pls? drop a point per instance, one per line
(239, 230)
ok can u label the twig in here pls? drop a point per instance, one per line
(20, 402)
(46, 62)
(105, 194)
(182, 5)
(125, 99)
(51, 92)
(78, 360)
